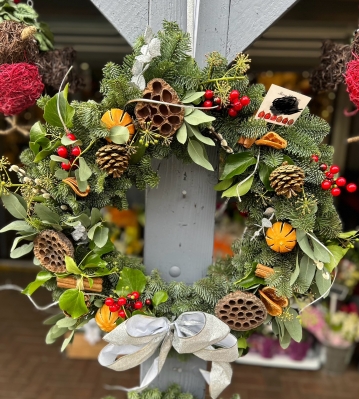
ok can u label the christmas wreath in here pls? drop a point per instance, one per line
(157, 104)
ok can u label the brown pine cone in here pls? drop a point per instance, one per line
(287, 180)
(113, 159)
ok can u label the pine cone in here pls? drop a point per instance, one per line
(113, 159)
(287, 180)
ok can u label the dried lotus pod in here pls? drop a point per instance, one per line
(50, 248)
(105, 319)
(273, 303)
(72, 182)
(241, 311)
(162, 118)
(263, 271)
(246, 142)
(281, 237)
(272, 139)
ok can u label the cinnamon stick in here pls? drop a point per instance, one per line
(71, 282)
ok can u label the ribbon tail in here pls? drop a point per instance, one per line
(219, 378)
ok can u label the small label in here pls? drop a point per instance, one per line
(282, 106)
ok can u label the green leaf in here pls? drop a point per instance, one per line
(236, 164)
(159, 297)
(140, 152)
(67, 341)
(26, 236)
(14, 206)
(98, 303)
(72, 301)
(61, 174)
(119, 134)
(347, 234)
(83, 219)
(18, 225)
(101, 236)
(303, 242)
(320, 250)
(288, 159)
(223, 185)
(84, 171)
(199, 136)
(41, 279)
(95, 216)
(47, 150)
(54, 333)
(275, 327)
(71, 266)
(242, 189)
(242, 343)
(250, 280)
(323, 284)
(54, 319)
(134, 279)
(66, 322)
(295, 274)
(284, 341)
(37, 137)
(21, 251)
(338, 253)
(67, 112)
(81, 183)
(182, 133)
(66, 141)
(92, 231)
(197, 117)
(189, 111)
(198, 154)
(192, 96)
(56, 158)
(93, 261)
(44, 213)
(109, 247)
(307, 271)
(264, 173)
(293, 326)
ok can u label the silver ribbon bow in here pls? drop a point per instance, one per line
(138, 338)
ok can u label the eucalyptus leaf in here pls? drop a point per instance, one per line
(119, 134)
(307, 271)
(95, 216)
(304, 244)
(28, 237)
(338, 253)
(55, 332)
(197, 117)
(92, 231)
(322, 283)
(198, 154)
(84, 171)
(223, 185)
(14, 206)
(189, 111)
(295, 274)
(83, 219)
(66, 141)
(44, 213)
(275, 327)
(66, 322)
(284, 341)
(236, 164)
(56, 158)
(21, 251)
(54, 319)
(192, 96)
(293, 325)
(71, 266)
(101, 236)
(18, 225)
(72, 301)
(98, 303)
(199, 136)
(82, 184)
(242, 189)
(159, 297)
(181, 134)
(134, 279)
(67, 341)
(321, 252)
(40, 280)
(61, 174)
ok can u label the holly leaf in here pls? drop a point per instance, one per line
(131, 280)
(236, 164)
(40, 280)
(72, 301)
(242, 189)
(14, 206)
(159, 297)
(198, 154)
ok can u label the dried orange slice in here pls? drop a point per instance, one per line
(117, 117)
(246, 142)
(272, 302)
(272, 139)
(105, 319)
(281, 237)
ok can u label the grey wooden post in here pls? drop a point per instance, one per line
(180, 213)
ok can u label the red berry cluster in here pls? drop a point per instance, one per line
(63, 152)
(17, 1)
(210, 101)
(330, 182)
(236, 102)
(279, 119)
(124, 306)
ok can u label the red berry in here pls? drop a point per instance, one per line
(261, 114)
(245, 100)
(315, 158)
(326, 184)
(237, 106)
(329, 175)
(244, 214)
(351, 187)
(334, 169)
(335, 191)
(208, 95)
(341, 181)
(208, 104)
(71, 136)
(109, 301)
(217, 101)
(138, 305)
(122, 301)
(267, 116)
(65, 166)
(323, 167)
(232, 112)
(135, 294)
(76, 151)
(233, 96)
(122, 314)
(62, 151)
(148, 302)
(285, 120)
(17, 1)
(114, 308)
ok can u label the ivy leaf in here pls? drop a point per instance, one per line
(72, 301)
(14, 206)
(199, 136)
(47, 150)
(198, 154)
(45, 214)
(109, 247)
(93, 261)
(18, 225)
(101, 236)
(303, 242)
(134, 279)
(71, 266)
(84, 171)
(197, 117)
(192, 96)
(21, 251)
(338, 253)
(159, 297)
(182, 134)
(236, 164)
(322, 283)
(223, 185)
(38, 137)
(67, 112)
(242, 190)
(119, 134)
(264, 173)
(293, 326)
(41, 279)
(67, 340)
(92, 231)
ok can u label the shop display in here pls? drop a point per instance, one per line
(87, 155)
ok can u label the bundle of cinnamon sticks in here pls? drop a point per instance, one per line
(72, 282)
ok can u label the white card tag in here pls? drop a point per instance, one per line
(282, 106)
